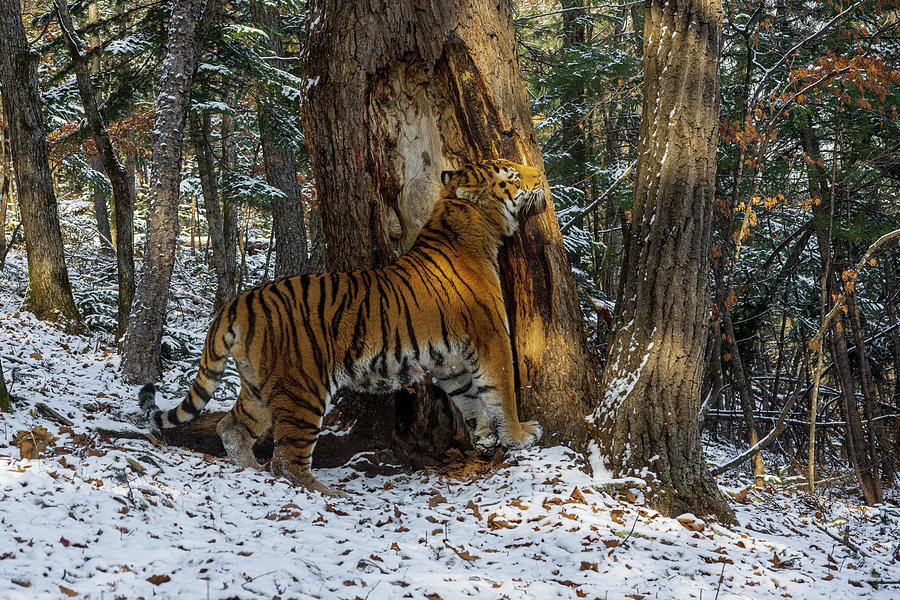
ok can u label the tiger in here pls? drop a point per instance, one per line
(436, 314)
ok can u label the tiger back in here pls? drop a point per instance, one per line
(437, 312)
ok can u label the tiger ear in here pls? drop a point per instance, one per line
(447, 176)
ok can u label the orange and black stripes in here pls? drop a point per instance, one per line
(437, 310)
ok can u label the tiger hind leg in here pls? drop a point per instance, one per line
(298, 418)
(242, 426)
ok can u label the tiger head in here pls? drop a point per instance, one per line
(501, 188)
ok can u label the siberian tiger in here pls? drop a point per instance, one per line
(435, 314)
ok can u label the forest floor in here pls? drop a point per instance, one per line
(110, 518)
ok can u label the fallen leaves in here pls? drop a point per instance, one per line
(691, 523)
(32, 444)
(159, 579)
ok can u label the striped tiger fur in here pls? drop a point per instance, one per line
(436, 313)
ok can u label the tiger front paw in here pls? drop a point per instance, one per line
(527, 435)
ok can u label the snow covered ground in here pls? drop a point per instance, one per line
(96, 518)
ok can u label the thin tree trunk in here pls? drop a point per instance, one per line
(100, 200)
(123, 191)
(288, 220)
(49, 292)
(4, 203)
(231, 210)
(317, 240)
(745, 393)
(398, 93)
(5, 400)
(879, 444)
(200, 132)
(100, 213)
(187, 28)
(648, 415)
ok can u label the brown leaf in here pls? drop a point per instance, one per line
(159, 579)
(136, 466)
(495, 522)
(463, 553)
(474, 508)
(32, 443)
(433, 597)
(21, 582)
(67, 591)
(435, 500)
(64, 542)
(691, 523)
(36, 356)
(577, 496)
(589, 566)
(617, 515)
(334, 510)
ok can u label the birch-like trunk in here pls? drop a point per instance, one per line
(187, 28)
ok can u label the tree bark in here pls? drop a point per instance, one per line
(5, 400)
(187, 28)
(200, 132)
(4, 204)
(647, 418)
(49, 292)
(123, 191)
(396, 93)
(231, 212)
(287, 211)
(101, 215)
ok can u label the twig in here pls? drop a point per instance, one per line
(780, 425)
(633, 525)
(597, 202)
(846, 542)
(721, 577)
(52, 414)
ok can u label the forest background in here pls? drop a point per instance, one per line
(808, 172)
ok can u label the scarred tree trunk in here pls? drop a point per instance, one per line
(281, 172)
(647, 418)
(187, 28)
(396, 93)
(49, 291)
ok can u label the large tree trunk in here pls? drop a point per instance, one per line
(123, 191)
(288, 221)
(49, 291)
(187, 28)
(396, 93)
(652, 381)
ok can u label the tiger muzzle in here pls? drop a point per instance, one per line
(535, 204)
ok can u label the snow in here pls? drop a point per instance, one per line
(103, 518)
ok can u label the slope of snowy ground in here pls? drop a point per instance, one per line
(97, 518)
